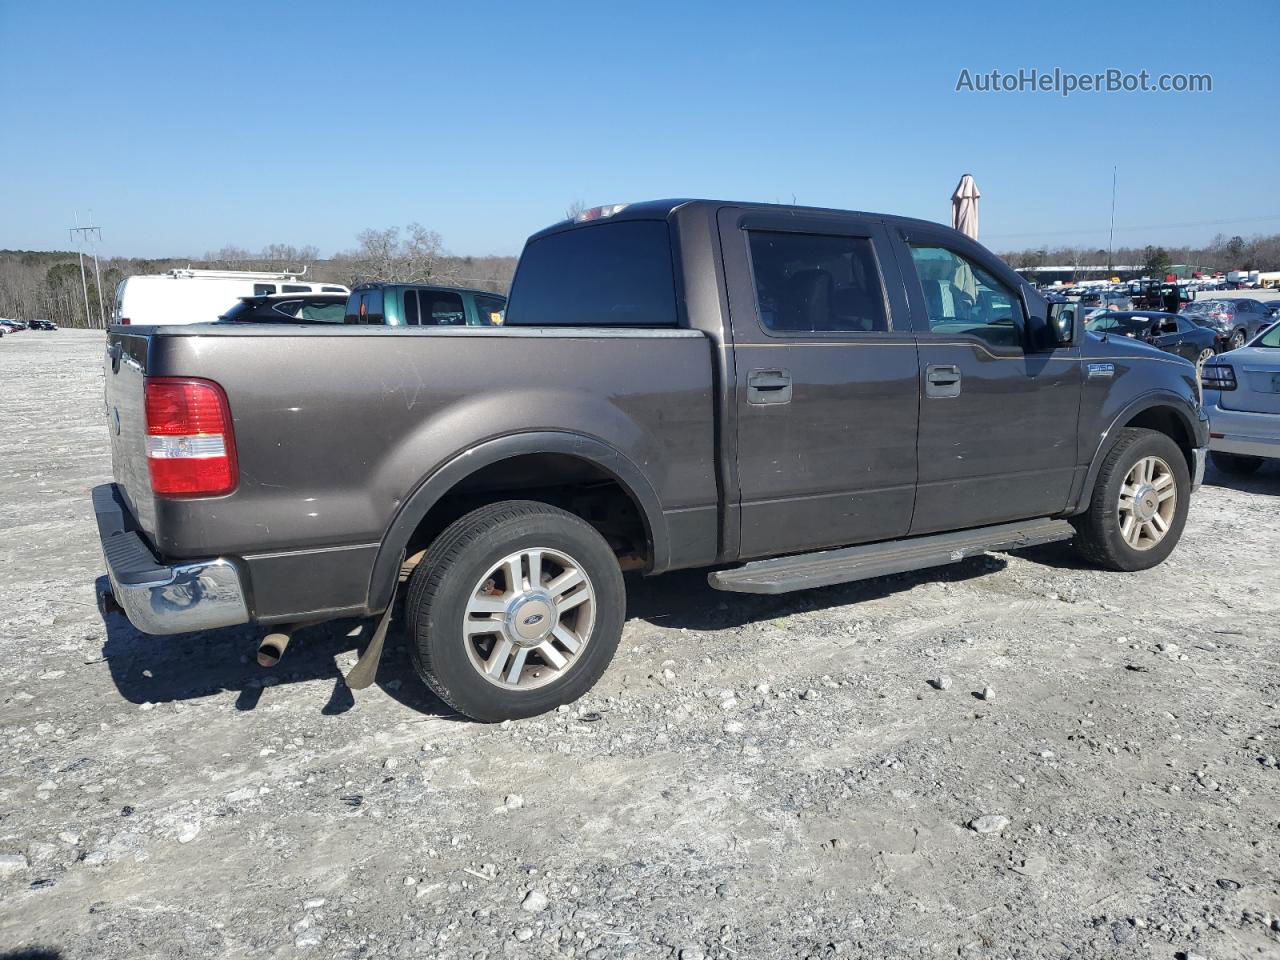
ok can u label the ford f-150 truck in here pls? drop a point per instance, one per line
(792, 396)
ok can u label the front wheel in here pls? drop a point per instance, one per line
(1139, 503)
(515, 609)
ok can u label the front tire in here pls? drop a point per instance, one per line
(1139, 503)
(1235, 464)
(515, 609)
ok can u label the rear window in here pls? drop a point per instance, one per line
(606, 275)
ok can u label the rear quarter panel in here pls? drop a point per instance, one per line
(335, 428)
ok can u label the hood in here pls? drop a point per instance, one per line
(1120, 345)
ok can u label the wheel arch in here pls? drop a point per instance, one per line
(447, 478)
(1162, 411)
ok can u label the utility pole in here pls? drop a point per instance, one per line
(1111, 241)
(89, 235)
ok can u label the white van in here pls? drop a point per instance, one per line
(201, 296)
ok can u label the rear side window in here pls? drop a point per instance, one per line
(490, 310)
(365, 307)
(262, 289)
(433, 308)
(605, 275)
(817, 283)
(295, 288)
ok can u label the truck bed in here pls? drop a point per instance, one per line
(335, 429)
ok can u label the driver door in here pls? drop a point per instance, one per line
(999, 407)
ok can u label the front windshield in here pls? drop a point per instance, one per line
(1110, 322)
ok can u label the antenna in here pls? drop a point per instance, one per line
(92, 236)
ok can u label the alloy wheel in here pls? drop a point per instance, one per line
(529, 618)
(1148, 501)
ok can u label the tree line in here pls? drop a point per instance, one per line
(1222, 253)
(40, 284)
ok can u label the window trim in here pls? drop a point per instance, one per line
(748, 225)
(916, 289)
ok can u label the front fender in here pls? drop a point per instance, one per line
(1192, 417)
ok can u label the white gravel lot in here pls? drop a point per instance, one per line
(754, 777)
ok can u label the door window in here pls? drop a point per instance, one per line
(810, 283)
(441, 308)
(963, 299)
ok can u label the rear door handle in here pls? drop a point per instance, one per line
(769, 386)
(942, 380)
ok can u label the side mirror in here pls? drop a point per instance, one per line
(1062, 323)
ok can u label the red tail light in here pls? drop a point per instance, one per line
(191, 451)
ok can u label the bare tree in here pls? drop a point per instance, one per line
(575, 207)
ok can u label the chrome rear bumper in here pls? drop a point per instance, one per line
(161, 598)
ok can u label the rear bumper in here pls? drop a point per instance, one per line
(159, 598)
(1243, 433)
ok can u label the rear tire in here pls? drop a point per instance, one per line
(1237, 340)
(1129, 524)
(1234, 463)
(515, 609)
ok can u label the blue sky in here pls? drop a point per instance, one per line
(185, 127)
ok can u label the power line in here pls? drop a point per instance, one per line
(92, 236)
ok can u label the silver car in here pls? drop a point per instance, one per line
(1242, 399)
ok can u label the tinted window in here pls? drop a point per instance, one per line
(365, 307)
(610, 274)
(811, 283)
(964, 299)
(295, 288)
(323, 312)
(411, 307)
(490, 309)
(441, 308)
(262, 289)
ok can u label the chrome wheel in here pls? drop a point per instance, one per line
(1237, 340)
(1148, 501)
(1205, 356)
(529, 618)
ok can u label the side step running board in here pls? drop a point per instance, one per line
(807, 570)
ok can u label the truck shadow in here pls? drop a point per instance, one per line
(1265, 481)
(147, 669)
(685, 599)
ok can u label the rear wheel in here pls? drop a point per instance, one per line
(1205, 356)
(1139, 503)
(1237, 340)
(1234, 463)
(515, 609)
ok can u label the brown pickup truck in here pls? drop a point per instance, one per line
(793, 396)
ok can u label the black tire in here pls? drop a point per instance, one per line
(1237, 340)
(443, 582)
(1098, 538)
(1234, 463)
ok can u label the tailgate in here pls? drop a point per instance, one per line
(1257, 381)
(125, 369)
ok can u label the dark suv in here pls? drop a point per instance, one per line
(423, 305)
(289, 308)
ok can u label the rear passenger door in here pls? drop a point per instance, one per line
(999, 402)
(826, 380)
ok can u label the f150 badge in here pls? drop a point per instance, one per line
(1102, 370)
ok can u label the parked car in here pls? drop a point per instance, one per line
(1242, 399)
(43, 325)
(414, 305)
(1168, 331)
(11, 326)
(201, 296)
(1233, 320)
(801, 397)
(289, 308)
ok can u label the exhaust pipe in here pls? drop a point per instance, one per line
(273, 645)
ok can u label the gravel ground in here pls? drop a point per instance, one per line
(753, 777)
